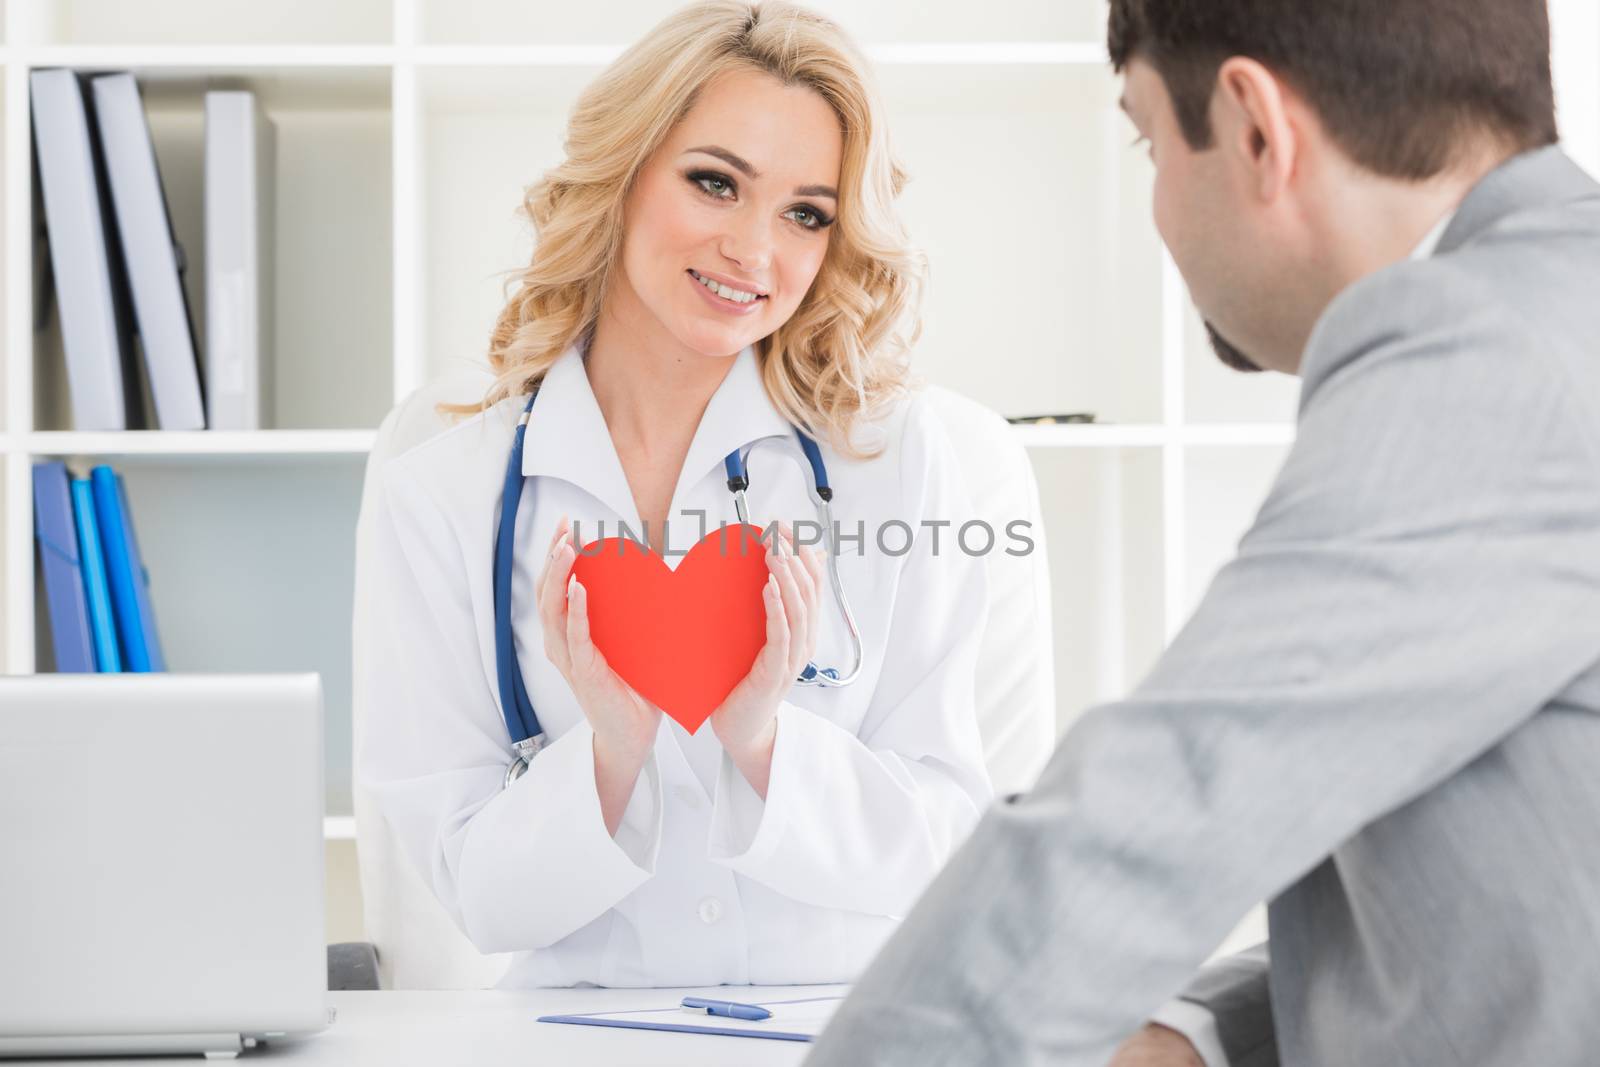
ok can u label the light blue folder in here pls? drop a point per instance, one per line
(792, 1020)
(125, 574)
(107, 658)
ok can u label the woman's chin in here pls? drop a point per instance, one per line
(707, 340)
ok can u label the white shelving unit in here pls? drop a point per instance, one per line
(407, 130)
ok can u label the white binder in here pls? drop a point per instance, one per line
(240, 154)
(151, 254)
(95, 327)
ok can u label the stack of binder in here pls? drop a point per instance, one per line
(96, 586)
(118, 270)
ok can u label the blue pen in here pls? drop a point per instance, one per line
(727, 1009)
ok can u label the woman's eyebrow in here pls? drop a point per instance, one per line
(738, 163)
(743, 166)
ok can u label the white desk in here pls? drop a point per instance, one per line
(488, 1027)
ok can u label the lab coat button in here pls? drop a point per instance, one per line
(710, 910)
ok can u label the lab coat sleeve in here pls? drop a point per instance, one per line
(862, 821)
(516, 868)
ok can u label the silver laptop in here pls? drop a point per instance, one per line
(161, 853)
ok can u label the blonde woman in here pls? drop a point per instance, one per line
(718, 263)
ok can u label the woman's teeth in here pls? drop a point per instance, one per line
(737, 295)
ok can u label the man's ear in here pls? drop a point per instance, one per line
(1250, 115)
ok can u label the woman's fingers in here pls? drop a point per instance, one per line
(587, 660)
(784, 568)
(563, 528)
(804, 567)
(812, 557)
(550, 551)
(553, 606)
(774, 658)
(802, 575)
(804, 625)
(811, 568)
(612, 706)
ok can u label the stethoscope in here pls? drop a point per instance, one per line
(527, 736)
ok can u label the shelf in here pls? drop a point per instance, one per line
(199, 57)
(995, 53)
(516, 21)
(1073, 435)
(213, 23)
(203, 57)
(1080, 435)
(536, 80)
(268, 443)
(1269, 434)
(199, 444)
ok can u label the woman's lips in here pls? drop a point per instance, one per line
(722, 303)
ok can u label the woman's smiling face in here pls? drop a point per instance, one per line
(727, 223)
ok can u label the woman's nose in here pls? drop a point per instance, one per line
(749, 243)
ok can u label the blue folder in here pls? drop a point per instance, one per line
(129, 581)
(716, 1027)
(57, 534)
(106, 656)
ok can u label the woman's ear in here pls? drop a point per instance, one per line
(1250, 113)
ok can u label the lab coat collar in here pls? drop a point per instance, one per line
(567, 436)
(740, 412)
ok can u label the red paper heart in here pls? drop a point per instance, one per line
(681, 638)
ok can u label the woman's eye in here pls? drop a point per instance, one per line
(809, 218)
(716, 185)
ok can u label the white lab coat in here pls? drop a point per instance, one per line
(872, 786)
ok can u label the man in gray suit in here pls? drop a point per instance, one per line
(1385, 714)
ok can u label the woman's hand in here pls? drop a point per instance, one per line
(746, 722)
(624, 723)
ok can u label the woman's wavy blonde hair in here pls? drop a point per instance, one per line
(843, 355)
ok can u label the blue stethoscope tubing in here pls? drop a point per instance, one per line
(522, 723)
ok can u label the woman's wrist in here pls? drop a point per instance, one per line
(623, 751)
(616, 770)
(752, 756)
(738, 744)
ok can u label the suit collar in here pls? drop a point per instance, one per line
(1541, 177)
(567, 437)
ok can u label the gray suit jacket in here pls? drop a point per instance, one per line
(1385, 715)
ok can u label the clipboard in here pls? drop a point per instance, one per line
(792, 1020)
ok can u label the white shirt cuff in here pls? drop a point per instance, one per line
(746, 830)
(1198, 1025)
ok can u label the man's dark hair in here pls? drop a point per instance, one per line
(1400, 85)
